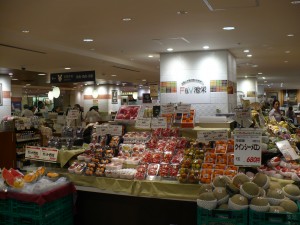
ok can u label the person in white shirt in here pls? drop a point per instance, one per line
(26, 112)
(42, 109)
(93, 116)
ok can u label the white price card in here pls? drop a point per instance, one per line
(49, 154)
(167, 109)
(72, 114)
(247, 147)
(33, 152)
(143, 123)
(243, 117)
(159, 122)
(116, 130)
(213, 135)
(102, 130)
(287, 150)
(183, 108)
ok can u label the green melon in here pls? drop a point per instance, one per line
(276, 209)
(275, 193)
(261, 180)
(292, 190)
(289, 206)
(223, 206)
(259, 201)
(250, 189)
(239, 179)
(205, 188)
(207, 196)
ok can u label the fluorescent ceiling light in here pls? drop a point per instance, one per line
(144, 80)
(246, 50)
(88, 40)
(249, 55)
(14, 79)
(246, 76)
(170, 49)
(113, 75)
(10, 74)
(295, 2)
(67, 68)
(206, 47)
(290, 35)
(25, 31)
(263, 78)
(259, 73)
(150, 56)
(182, 12)
(287, 52)
(127, 19)
(41, 74)
(286, 61)
(228, 28)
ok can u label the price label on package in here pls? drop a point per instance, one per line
(287, 150)
(49, 154)
(247, 147)
(143, 123)
(33, 152)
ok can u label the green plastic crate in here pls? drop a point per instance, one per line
(5, 206)
(266, 218)
(222, 217)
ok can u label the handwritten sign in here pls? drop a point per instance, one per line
(243, 117)
(116, 130)
(102, 130)
(247, 147)
(72, 114)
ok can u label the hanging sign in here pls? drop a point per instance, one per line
(72, 77)
(247, 147)
(147, 98)
(159, 122)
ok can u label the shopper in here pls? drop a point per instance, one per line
(276, 111)
(79, 120)
(290, 114)
(93, 116)
(42, 109)
(26, 112)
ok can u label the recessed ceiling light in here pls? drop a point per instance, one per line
(127, 19)
(67, 68)
(263, 78)
(249, 55)
(265, 81)
(117, 84)
(295, 2)
(144, 80)
(170, 49)
(290, 35)
(85, 84)
(14, 79)
(206, 47)
(113, 75)
(182, 12)
(88, 40)
(150, 56)
(254, 65)
(259, 73)
(41, 74)
(228, 28)
(287, 52)
(286, 61)
(25, 31)
(10, 74)
(246, 76)
(246, 50)
(92, 49)
(28, 84)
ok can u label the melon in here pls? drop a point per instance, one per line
(16, 173)
(8, 177)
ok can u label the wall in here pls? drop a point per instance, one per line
(249, 88)
(5, 108)
(199, 78)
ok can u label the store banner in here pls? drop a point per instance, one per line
(72, 77)
(247, 147)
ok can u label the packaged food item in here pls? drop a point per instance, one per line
(221, 159)
(141, 172)
(183, 175)
(193, 176)
(174, 168)
(210, 158)
(206, 176)
(164, 170)
(153, 169)
(167, 157)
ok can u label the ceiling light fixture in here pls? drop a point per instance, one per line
(144, 80)
(286, 61)
(14, 79)
(170, 49)
(265, 81)
(249, 55)
(263, 78)
(56, 92)
(295, 2)
(246, 76)
(290, 35)
(287, 52)
(182, 12)
(25, 31)
(206, 47)
(50, 95)
(67, 68)
(246, 50)
(150, 56)
(259, 73)
(95, 93)
(113, 75)
(228, 28)
(10, 74)
(88, 40)
(127, 19)
(41, 74)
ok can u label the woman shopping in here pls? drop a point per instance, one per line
(275, 112)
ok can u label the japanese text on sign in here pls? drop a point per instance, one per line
(213, 135)
(143, 123)
(166, 109)
(247, 147)
(159, 122)
(183, 108)
(49, 154)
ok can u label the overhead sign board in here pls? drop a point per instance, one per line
(72, 77)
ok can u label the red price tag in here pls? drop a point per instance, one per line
(253, 159)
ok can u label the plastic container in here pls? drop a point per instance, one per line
(267, 218)
(224, 217)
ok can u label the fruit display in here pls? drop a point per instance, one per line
(127, 113)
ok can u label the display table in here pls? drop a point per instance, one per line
(140, 188)
(65, 155)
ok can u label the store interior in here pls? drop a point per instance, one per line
(164, 112)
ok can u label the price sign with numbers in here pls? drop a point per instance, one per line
(33, 152)
(243, 117)
(287, 150)
(167, 109)
(116, 130)
(247, 147)
(143, 123)
(49, 154)
(183, 108)
(159, 122)
(213, 135)
(72, 114)
(102, 130)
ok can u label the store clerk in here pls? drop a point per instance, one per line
(276, 111)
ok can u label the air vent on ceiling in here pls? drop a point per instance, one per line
(215, 5)
(24, 49)
(123, 68)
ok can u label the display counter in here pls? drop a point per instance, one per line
(65, 155)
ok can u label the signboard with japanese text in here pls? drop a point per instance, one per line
(153, 90)
(167, 109)
(213, 135)
(73, 77)
(33, 152)
(49, 154)
(143, 123)
(243, 117)
(287, 150)
(183, 108)
(159, 122)
(102, 130)
(116, 130)
(73, 114)
(114, 97)
(247, 147)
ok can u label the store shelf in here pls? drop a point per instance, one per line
(28, 139)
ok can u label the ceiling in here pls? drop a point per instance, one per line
(57, 29)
